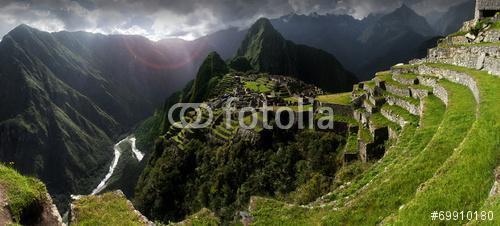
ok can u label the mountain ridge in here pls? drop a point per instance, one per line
(267, 51)
(71, 95)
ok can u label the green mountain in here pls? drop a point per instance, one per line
(402, 141)
(67, 96)
(267, 51)
(212, 69)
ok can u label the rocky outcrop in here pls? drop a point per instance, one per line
(5, 216)
(39, 212)
(495, 190)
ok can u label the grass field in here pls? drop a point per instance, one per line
(339, 98)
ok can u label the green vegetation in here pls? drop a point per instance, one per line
(222, 178)
(106, 209)
(204, 217)
(407, 99)
(407, 76)
(471, 166)
(337, 118)
(295, 108)
(365, 135)
(240, 64)
(212, 69)
(427, 152)
(402, 113)
(297, 174)
(378, 121)
(257, 87)
(339, 98)
(351, 145)
(21, 191)
(377, 175)
(267, 51)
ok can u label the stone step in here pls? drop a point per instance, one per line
(398, 115)
(413, 90)
(447, 72)
(361, 115)
(410, 104)
(404, 69)
(382, 128)
(351, 151)
(369, 107)
(407, 79)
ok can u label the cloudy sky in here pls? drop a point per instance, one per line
(188, 19)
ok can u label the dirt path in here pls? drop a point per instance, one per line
(5, 217)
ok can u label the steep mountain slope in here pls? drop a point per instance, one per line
(455, 17)
(211, 70)
(382, 40)
(70, 94)
(395, 36)
(268, 51)
(335, 34)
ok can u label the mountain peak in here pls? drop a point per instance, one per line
(22, 31)
(262, 25)
(404, 10)
(262, 22)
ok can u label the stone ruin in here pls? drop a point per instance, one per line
(486, 8)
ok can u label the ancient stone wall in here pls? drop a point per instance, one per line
(393, 117)
(338, 109)
(454, 76)
(398, 90)
(413, 109)
(485, 58)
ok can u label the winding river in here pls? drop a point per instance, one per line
(118, 152)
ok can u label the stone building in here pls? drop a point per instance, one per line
(486, 8)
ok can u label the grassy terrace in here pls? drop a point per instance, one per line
(337, 118)
(407, 76)
(378, 120)
(365, 135)
(393, 82)
(339, 98)
(410, 135)
(257, 87)
(21, 191)
(383, 73)
(410, 139)
(105, 209)
(308, 107)
(351, 145)
(359, 92)
(402, 113)
(469, 171)
(203, 217)
(370, 84)
(408, 99)
(420, 160)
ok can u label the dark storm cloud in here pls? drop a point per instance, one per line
(183, 18)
